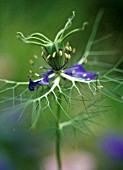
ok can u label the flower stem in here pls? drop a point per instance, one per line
(58, 137)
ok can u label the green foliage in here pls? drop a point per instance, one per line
(40, 100)
(81, 104)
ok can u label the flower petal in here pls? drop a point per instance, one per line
(33, 84)
(43, 81)
(48, 73)
(79, 72)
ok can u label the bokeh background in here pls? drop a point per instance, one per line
(21, 149)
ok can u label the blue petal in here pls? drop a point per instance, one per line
(47, 73)
(33, 84)
(44, 81)
(78, 71)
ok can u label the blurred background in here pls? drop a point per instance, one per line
(21, 149)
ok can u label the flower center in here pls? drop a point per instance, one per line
(58, 56)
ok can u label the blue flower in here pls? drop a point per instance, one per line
(113, 146)
(57, 55)
(76, 71)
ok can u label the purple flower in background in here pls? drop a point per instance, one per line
(5, 163)
(112, 146)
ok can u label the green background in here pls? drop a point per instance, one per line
(20, 149)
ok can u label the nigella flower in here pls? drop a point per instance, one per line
(112, 146)
(77, 71)
(62, 82)
(57, 55)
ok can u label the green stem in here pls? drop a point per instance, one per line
(58, 137)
